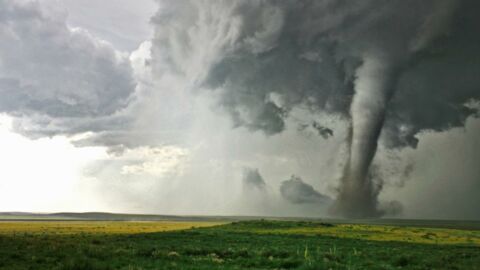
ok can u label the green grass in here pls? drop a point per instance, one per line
(240, 245)
(363, 231)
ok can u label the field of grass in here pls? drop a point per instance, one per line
(367, 232)
(95, 227)
(238, 245)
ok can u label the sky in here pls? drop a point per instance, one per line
(313, 109)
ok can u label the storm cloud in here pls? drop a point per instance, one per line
(351, 95)
(56, 79)
(392, 69)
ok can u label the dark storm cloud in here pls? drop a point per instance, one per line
(394, 68)
(296, 191)
(57, 79)
(432, 94)
(308, 53)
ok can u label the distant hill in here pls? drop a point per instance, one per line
(103, 216)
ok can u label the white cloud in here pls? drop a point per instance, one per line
(124, 23)
(168, 161)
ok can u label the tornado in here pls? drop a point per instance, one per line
(374, 86)
(387, 69)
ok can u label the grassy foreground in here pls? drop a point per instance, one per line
(239, 245)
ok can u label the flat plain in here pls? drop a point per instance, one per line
(256, 244)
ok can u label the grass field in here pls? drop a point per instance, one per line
(237, 245)
(95, 227)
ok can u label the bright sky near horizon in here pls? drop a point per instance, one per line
(45, 175)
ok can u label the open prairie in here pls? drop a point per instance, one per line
(257, 244)
(95, 227)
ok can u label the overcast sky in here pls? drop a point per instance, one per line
(240, 108)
